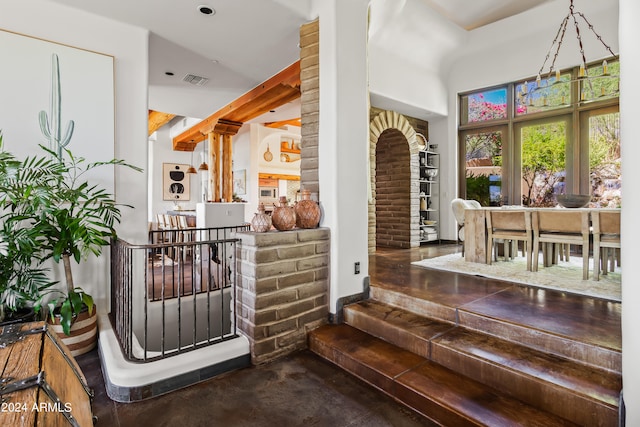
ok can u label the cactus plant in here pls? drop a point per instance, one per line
(52, 129)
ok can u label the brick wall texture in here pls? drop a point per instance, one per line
(393, 191)
(283, 289)
(310, 105)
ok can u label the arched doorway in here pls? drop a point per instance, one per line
(393, 209)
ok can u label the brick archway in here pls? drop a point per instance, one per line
(384, 121)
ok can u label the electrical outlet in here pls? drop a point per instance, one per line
(357, 268)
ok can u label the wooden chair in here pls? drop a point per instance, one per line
(563, 226)
(509, 225)
(185, 235)
(606, 234)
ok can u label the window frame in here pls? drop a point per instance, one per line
(577, 115)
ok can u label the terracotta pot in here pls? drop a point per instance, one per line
(307, 211)
(261, 221)
(83, 334)
(284, 216)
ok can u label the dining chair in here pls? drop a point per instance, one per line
(185, 235)
(560, 226)
(509, 226)
(606, 234)
(458, 206)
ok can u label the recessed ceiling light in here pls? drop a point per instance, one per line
(215, 61)
(206, 10)
(168, 73)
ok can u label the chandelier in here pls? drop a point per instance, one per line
(553, 88)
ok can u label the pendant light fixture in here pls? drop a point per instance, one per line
(551, 89)
(203, 166)
(191, 169)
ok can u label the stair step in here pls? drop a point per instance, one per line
(588, 353)
(583, 394)
(438, 393)
(395, 325)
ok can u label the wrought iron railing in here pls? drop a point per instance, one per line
(174, 294)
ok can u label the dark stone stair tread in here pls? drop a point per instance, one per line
(596, 384)
(427, 387)
(561, 386)
(397, 326)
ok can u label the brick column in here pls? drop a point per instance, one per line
(310, 96)
(283, 289)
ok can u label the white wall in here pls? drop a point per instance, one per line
(629, 111)
(161, 151)
(47, 20)
(343, 141)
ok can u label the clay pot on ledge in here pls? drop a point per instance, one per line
(283, 216)
(261, 221)
(307, 211)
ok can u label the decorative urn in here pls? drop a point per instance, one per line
(261, 221)
(307, 211)
(283, 216)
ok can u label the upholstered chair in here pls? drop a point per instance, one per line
(458, 206)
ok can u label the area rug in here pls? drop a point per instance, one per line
(565, 276)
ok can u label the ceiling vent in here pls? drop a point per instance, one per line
(195, 80)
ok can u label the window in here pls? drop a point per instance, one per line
(485, 106)
(483, 166)
(548, 93)
(542, 162)
(604, 170)
(527, 141)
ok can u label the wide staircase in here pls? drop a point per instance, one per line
(461, 368)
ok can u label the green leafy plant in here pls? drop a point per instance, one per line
(78, 220)
(23, 279)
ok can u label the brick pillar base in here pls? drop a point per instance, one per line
(283, 289)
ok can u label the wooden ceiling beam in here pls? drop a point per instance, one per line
(278, 90)
(290, 122)
(157, 119)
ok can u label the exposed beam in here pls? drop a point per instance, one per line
(264, 175)
(157, 119)
(291, 122)
(278, 90)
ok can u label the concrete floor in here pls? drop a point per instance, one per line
(298, 390)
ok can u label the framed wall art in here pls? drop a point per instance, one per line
(60, 97)
(175, 182)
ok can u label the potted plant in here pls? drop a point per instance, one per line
(77, 220)
(23, 279)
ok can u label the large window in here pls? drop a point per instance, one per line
(543, 163)
(527, 141)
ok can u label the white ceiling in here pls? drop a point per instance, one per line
(244, 43)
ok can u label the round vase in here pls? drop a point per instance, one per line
(261, 221)
(284, 216)
(307, 211)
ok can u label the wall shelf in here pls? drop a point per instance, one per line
(429, 196)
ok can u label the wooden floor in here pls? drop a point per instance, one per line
(466, 350)
(587, 319)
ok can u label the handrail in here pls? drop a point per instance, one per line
(161, 290)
